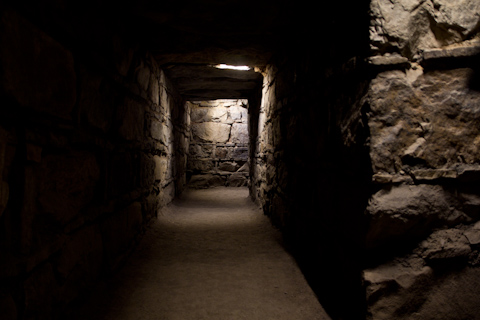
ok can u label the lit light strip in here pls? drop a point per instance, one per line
(226, 66)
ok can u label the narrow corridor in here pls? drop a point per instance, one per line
(210, 255)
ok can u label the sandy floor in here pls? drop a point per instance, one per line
(210, 255)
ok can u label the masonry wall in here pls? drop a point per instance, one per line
(93, 143)
(423, 231)
(368, 162)
(218, 152)
(310, 166)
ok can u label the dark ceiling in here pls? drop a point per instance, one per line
(188, 37)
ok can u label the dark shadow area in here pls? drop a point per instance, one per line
(475, 79)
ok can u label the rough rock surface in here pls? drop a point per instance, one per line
(440, 280)
(219, 143)
(422, 235)
(410, 26)
(423, 120)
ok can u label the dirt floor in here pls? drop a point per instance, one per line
(210, 255)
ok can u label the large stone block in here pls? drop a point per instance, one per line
(36, 70)
(238, 114)
(446, 244)
(407, 212)
(211, 132)
(409, 26)
(239, 133)
(423, 121)
(209, 114)
(158, 130)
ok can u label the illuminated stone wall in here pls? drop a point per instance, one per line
(218, 150)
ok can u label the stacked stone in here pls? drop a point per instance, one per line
(88, 154)
(218, 152)
(424, 149)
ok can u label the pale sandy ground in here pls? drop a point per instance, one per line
(210, 255)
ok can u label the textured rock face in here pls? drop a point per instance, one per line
(423, 120)
(219, 143)
(428, 284)
(424, 136)
(410, 26)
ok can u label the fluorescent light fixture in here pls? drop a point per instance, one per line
(226, 66)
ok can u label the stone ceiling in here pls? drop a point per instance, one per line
(187, 37)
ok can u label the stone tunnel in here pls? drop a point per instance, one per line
(356, 129)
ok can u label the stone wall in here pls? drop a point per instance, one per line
(218, 150)
(422, 230)
(310, 167)
(93, 142)
(370, 164)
